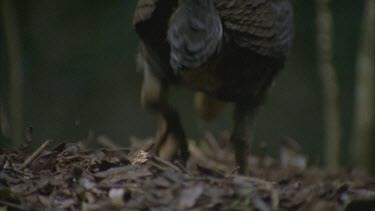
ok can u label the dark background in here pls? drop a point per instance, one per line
(80, 75)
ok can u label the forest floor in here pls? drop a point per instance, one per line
(71, 176)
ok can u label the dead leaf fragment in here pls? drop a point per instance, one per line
(117, 196)
(189, 197)
(140, 157)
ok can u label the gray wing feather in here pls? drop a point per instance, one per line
(264, 26)
(195, 34)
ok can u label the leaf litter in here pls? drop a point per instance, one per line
(69, 176)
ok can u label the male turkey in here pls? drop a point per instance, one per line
(228, 49)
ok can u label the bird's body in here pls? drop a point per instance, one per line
(230, 50)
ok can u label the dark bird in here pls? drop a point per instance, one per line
(229, 50)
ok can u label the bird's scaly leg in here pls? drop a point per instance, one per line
(242, 134)
(170, 140)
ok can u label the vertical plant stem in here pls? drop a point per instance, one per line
(15, 67)
(363, 136)
(329, 84)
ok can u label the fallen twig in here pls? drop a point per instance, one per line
(165, 163)
(13, 205)
(36, 153)
(106, 142)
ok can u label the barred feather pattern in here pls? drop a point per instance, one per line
(195, 34)
(264, 26)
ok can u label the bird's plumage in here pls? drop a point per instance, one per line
(195, 34)
(230, 50)
(234, 62)
(264, 26)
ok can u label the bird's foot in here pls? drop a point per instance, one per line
(171, 145)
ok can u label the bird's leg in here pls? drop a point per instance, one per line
(242, 134)
(170, 140)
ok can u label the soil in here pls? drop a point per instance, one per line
(73, 177)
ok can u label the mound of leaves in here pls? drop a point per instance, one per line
(72, 177)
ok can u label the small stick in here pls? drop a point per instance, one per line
(210, 138)
(36, 153)
(13, 205)
(181, 167)
(159, 167)
(3, 161)
(106, 142)
(122, 150)
(275, 198)
(235, 170)
(165, 163)
(267, 184)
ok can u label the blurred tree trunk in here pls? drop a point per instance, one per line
(12, 38)
(329, 84)
(364, 113)
(4, 122)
